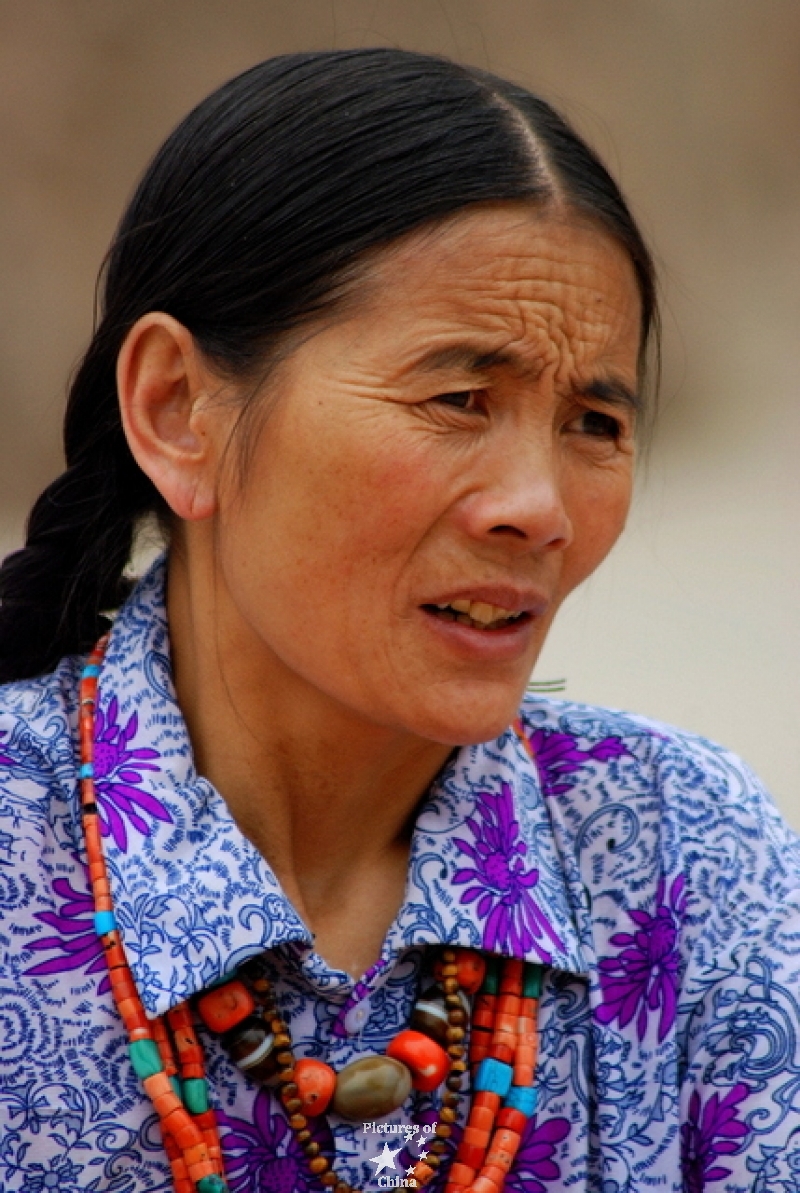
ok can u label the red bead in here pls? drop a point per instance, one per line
(427, 1062)
(500, 1049)
(514, 1119)
(511, 980)
(471, 1155)
(222, 1008)
(316, 1083)
(508, 1004)
(470, 969)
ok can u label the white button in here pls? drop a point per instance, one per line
(356, 1017)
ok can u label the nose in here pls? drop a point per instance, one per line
(521, 498)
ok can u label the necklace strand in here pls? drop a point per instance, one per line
(168, 1057)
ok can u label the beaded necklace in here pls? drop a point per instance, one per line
(168, 1057)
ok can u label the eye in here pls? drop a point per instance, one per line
(600, 425)
(462, 399)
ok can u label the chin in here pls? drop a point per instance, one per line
(468, 724)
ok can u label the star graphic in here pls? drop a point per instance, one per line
(410, 1170)
(423, 1155)
(385, 1159)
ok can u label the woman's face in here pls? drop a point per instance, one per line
(441, 465)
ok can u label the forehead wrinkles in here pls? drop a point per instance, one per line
(547, 309)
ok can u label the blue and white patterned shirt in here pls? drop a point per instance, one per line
(646, 868)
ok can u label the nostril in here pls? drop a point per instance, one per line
(504, 529)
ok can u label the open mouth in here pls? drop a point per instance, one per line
(478, 615)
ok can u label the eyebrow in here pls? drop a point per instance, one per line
(615, 392)
(472, 360)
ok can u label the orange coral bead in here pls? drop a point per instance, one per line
(482, 1118)
(427, 1062)
(503, 1149)
(222, 1008)
(316, 1083)
(461, 1174)
(482, 1184)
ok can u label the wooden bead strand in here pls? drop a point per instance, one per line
(500, 1047)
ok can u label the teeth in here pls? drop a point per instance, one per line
(480, 611)
(483, 613)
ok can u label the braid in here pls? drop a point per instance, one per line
(55, 590)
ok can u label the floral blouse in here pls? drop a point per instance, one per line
(644, 867)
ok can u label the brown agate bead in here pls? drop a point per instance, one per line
(251, 1047)
(430, 1017)
(371, 1087)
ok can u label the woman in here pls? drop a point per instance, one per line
(287, 862)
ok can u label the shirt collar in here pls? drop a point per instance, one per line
(193, 897)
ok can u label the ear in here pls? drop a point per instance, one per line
(175, 433)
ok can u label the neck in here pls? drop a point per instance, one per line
(328, 798)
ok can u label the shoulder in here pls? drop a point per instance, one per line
(655, 816)
(590, 756)
(36, 720)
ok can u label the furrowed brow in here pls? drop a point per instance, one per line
(472, 359)
(468, 357)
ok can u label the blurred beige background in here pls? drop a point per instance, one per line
(695, 104)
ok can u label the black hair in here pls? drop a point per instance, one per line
(246, 223)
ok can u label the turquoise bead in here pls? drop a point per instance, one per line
(532, 981)
(104, 921)
(491, 979)
(86, 771)
(90, 669)
(494, 1077)
(211, 1184)
(195, 1094)
(522, 1098)
(175, 1082)
(145, 1058)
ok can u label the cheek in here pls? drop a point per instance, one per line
(597, 511)
(332, 512)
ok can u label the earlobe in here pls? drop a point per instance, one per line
(162, 382)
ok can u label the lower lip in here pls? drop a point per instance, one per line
(508, 643)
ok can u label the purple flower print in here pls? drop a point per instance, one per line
(557, 755)
(716, 1131)
(116, 769)
(76, 944)
(263, 1156)
(644, 976)
(500, 881)
(534, 1166)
